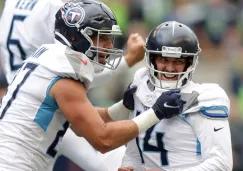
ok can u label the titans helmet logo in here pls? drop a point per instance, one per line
(73, 14)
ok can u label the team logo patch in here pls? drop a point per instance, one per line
(73, 15)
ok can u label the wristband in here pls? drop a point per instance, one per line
(145, 120)
(118, 111)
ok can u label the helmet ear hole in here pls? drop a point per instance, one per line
(189, 61)
(152, 61)
(74, 39)
(152, 57)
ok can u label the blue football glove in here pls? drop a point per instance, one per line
(168, 104)
(128, 100)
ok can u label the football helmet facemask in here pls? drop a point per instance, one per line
(77, 22)
(176, 40)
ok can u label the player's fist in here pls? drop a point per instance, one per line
(135, 49)
(128, 100)
(168, 104)
(126, 169)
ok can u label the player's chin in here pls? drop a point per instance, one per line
(102, 61)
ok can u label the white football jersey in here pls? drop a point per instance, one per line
(186, 140)
(25, 26)
(31, 123)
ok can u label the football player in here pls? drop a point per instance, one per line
(49, 92)
(197, 139)
(30, 23)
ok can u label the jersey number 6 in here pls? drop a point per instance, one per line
(15, 42)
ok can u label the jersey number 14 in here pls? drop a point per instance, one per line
(151, 148)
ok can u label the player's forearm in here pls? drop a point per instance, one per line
(130, 61)
(116, 134)
(105, 137)
(104, 114)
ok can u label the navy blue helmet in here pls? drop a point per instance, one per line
(176, 40)
(78, 21)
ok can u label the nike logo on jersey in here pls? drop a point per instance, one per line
(166, 105)
(215, 130)
(85, 62)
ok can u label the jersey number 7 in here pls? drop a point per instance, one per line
(31, 67)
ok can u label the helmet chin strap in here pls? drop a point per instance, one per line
(97, 68)
(94, 60)
(62, 39)
(167, 84)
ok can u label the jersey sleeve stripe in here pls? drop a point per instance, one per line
(215, 111)
(47, 109)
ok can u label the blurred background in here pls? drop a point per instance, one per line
(219, 27)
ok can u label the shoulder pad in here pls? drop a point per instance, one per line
(211, 101)
(81, 66)
(139, 75)
(66, 62)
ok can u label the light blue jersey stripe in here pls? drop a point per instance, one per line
(183, 117)
(198, 148)
(207, 111)
(47, 108)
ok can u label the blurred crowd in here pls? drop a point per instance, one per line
(219, 27)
